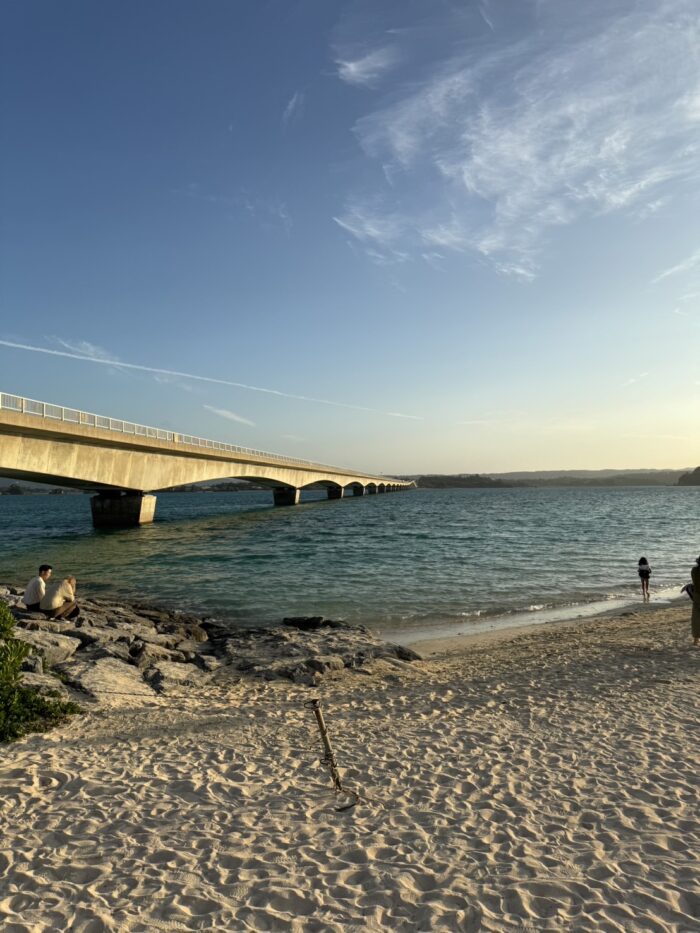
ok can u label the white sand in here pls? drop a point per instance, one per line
(541, 780)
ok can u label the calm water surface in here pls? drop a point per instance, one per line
(426, 561)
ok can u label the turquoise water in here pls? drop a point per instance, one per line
(425, 561)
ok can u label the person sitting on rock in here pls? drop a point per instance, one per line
(59, 600)
(36, 588)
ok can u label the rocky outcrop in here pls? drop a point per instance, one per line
(122, 655)
(303, 650)
(50, 647)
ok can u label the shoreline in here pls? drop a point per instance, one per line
(534, 779)
(458, 643)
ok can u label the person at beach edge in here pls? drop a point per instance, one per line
(36, 588)
(644, 571)
(59, 599)
(695, 617)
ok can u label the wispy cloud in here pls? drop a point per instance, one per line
(365, 70)
(84, 348)
(485, 14)
(633, 380)
(229, 415)
(294, 108)
(211, 379)
(269, 213)
(501, 144)
(689, 263)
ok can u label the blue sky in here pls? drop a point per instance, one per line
(449, 236)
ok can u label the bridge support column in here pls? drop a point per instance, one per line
(358, 490)
(335, 492)
(286, 495)
(122, 510)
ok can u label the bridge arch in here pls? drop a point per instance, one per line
(124, 463)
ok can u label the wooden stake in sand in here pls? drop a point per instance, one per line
(329, 758)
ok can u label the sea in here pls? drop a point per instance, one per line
(421, 564)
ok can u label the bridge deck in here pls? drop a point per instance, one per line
(50, 443)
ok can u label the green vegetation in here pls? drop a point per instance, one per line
(23, 709)
(690, 479)
(450, 482)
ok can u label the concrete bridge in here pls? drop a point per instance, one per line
(125, 462)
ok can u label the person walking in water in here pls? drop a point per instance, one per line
(644, 571)
(695, 617)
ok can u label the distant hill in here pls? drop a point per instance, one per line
(557, 478)
(445, 482)
(690, 479)
(594, 477)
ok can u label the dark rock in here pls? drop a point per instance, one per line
(115, 649)
(144, 654)
(329, 662)
(34, 664)
(305, 623)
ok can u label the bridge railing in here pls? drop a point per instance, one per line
(28, 406)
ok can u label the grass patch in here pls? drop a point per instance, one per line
(23, 709)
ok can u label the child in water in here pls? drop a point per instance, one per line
(644, 571)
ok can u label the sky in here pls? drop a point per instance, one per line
(405, 236)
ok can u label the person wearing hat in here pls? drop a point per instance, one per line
(695, 616)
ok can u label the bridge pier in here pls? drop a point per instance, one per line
(286, 495)
(115, 509)
(335, 492)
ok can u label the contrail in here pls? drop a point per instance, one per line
(221, 382)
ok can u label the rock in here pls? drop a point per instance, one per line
(115, 649)
(47, 685)
(89, 635)
(174, 622)
(143, 654)
(33, 664)
(325, 663)
(166, 676)
(188, 645)
(304, 649)
(305, 623)
(24, 615)
(208, 662)
(36, 622)
(108, 680)
(121, 654)
(53, 648)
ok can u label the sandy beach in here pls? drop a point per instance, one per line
(541, 779)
